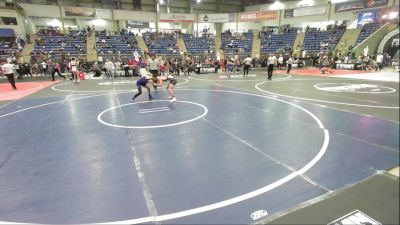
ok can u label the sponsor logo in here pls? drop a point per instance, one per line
(355, 88)
(355, 218)
(258, 214)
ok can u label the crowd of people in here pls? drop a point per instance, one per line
(44, 63)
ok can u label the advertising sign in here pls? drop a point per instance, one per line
(357, 5)
(176, 18)
(367, 17)
(137, 24)
(348, 6)
(258, 16)
(376, 3)
(217, 18)
(355, 217)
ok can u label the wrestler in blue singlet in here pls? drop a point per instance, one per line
(142, 82)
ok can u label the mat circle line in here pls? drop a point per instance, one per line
(223, 203)
(54, 88)
(155, 126)
(318, 100)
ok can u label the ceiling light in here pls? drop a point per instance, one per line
(277, 5)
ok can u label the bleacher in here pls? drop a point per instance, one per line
(7, 48)
(73, 43)
(366, 31)
(161, 44)
(284, 42)
(199, 45)
(241, 45)
(316, 40)
(116, 44)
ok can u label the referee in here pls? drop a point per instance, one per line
(154, 67)
(271, 63)
(8, 70)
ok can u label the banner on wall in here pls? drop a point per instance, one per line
(367, 17)
(86, 12)
(217, 18)
(376, 3)
(176, 18)
(137, 24)
(8, 20)
(357, 5)
(79, 12)
(305, 11)
(258, 16)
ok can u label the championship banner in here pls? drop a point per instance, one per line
(176, 18)
(258, 16)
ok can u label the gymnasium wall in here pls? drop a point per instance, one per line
(53, 11)
(20, 27)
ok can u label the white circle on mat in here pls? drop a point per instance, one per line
(223, 203)
(100, 119)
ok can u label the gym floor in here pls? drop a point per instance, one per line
(229, 151)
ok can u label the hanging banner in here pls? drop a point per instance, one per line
(79, 12)
(86, 12)
(258, 16)
(217, 18)
(137, 24)
(176, 18)
(376, 3)
(357, 5)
